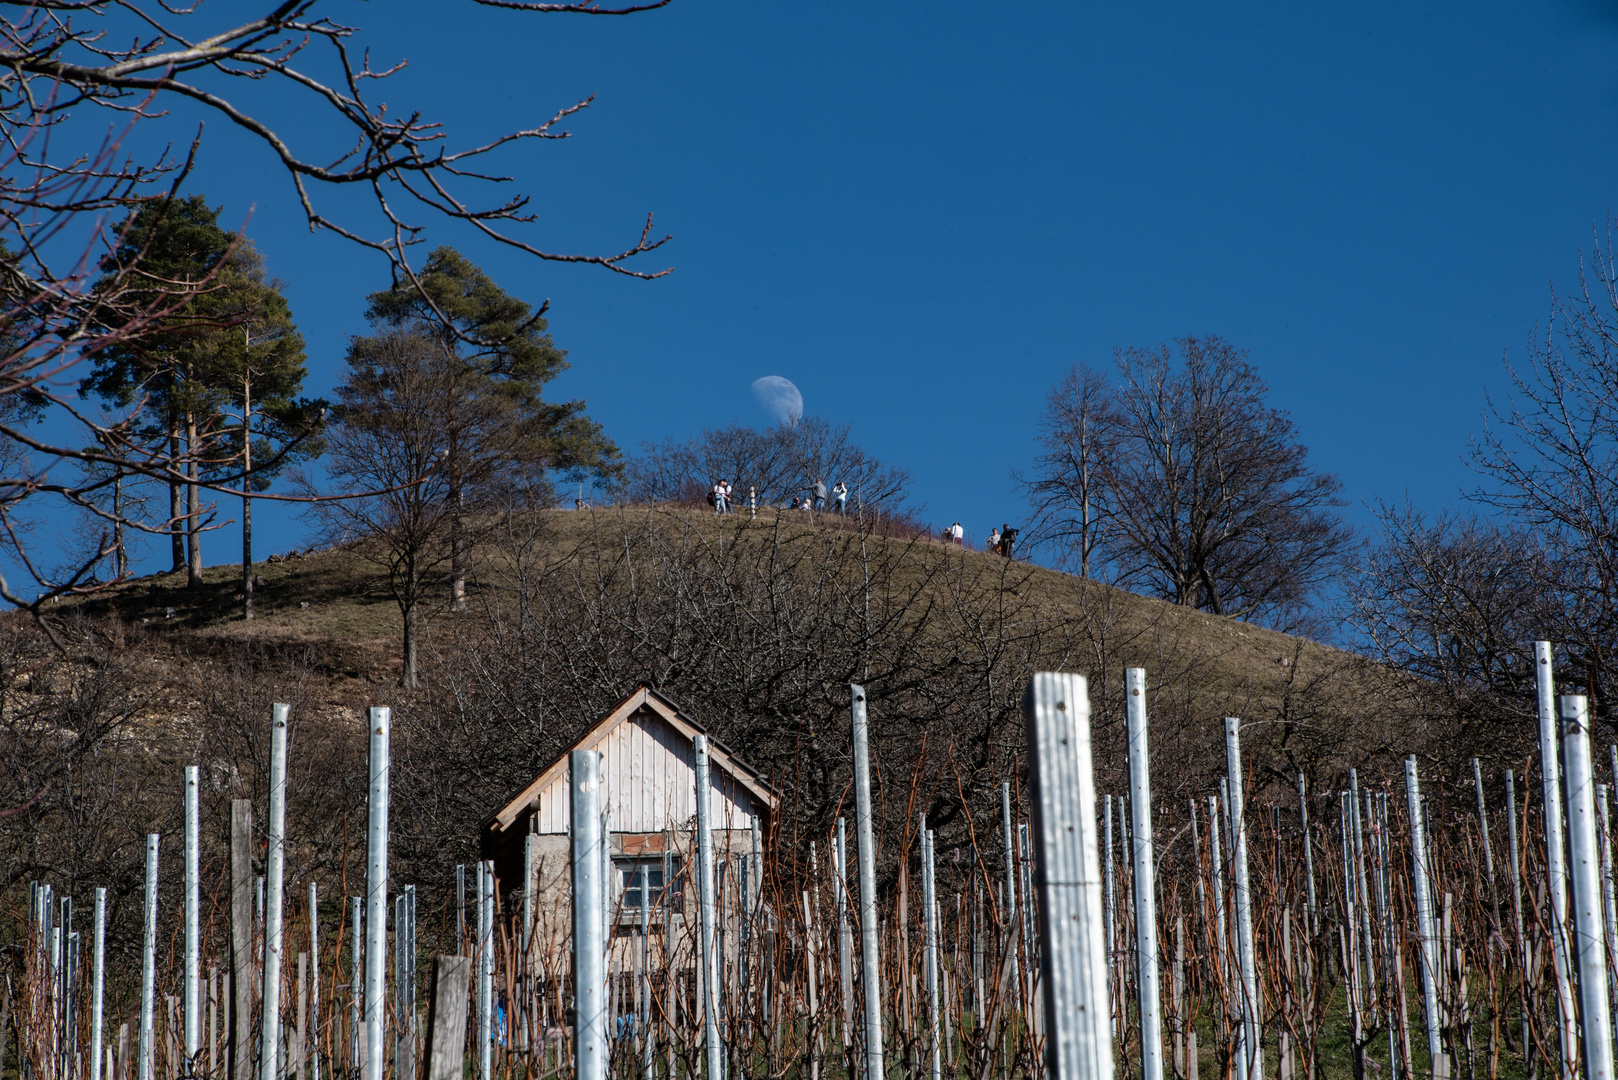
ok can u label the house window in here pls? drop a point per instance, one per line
(658, 892)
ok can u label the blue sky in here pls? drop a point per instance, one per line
(923, 213)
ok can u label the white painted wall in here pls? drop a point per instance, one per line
(650, 774)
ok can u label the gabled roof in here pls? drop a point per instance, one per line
(644, 697)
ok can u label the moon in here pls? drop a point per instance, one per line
(778, 397)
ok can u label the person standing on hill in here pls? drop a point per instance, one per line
(1008, 537)
(820, 493)
(994, 541)
(721, 497)
(957, 534)
(841, 494)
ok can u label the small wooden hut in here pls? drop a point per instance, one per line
(648, 764)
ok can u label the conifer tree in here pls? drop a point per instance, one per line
(499, 433)
(226, 359)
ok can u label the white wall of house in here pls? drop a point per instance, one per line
(649, 772)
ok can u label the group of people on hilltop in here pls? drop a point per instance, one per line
(720, 497)
(1002, 540)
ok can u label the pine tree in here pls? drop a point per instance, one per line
(256, 359)
(220, 375)
(172, 244)
(499, 433)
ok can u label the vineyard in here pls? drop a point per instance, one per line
(1414, 929)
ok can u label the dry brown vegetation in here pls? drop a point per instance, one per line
(755, 626)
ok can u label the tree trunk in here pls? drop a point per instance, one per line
(176, 504)
(247, 499)
(193, 522)
(407, 608)
(457, 530)
(120, 553)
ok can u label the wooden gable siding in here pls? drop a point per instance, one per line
(650, 773)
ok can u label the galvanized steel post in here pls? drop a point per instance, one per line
(192, 980)
(1140, 807)
(1425, 924)
(1308, 852)
(1067, 873)
(1609, 900)
(376, 895)
(274, 874)
(98, 982)
(1488, 848)
(1011, 876)
(930, 948)
(485, 955)
(1555, 848)
(356, 988)
(1253, 1059)
(274, 882)
(708, 971)
(1586, 879)
(845, 934)
(314, 982)
(589, 958)
(870, 959)
(148, 963)
(1516, 891)
(646, 968)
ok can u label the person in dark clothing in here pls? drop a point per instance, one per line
(1008, 537)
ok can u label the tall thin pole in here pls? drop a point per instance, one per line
(1078, 1042)
(314, 982)
(1308, 852)
(1488, 849)
(1424, 919)
(870, 965)
(97, 985)
(1108, 897)
(274, 873)
(1011, 876)
(192, 986)
(1586, 873)
(589, 958)
(930, 954)
(1555, 848)
(148, 962)
(709, 972)
(485, 955)
(1142, 850)
(376, 895)
(1609, 900)
(359, 1048)
(1253, 1060)
(646, 967)
(1514, 851)
(845, 933)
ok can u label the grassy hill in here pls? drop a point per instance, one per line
(338, 600)
(334, 608)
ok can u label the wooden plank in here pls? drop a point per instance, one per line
(446, 1017)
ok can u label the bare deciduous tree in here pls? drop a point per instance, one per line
(1550, 459)
(1068, 493)
(778, 462)
(1458, 602)
(388, 441)
(1207, 495)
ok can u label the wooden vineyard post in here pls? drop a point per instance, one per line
(446, 1017)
